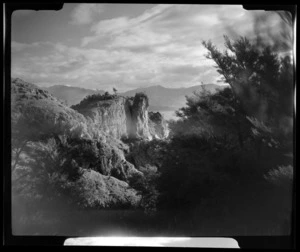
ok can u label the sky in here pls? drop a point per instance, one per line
(127, 46)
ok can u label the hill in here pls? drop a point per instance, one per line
(71, 95)
(162, 99)
(167, 100)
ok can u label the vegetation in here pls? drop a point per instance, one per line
(64, 167)
(229, 157)
(141, 95)
(95, 97)
(231, 147)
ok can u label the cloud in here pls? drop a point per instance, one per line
(122, 25)
(162, 46)
(84, 13)
(100, 68)
(18, 47)
(187, 69)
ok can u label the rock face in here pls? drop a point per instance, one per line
(158, 126)
(92, 130)
(123, 117)
(109, 115)
(139, 117)
(36, 113)
(113, 162)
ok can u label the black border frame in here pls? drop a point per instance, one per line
(264, 242)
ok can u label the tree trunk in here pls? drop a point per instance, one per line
(18, 155)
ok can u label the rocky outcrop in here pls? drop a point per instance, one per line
(123, 117)
(108, 115)
(89, 136)
(36, 114)
(113, 163)
(139, 117)
(158, 126)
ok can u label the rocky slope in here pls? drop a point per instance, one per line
(37, 112)
(37, 115)
(162, 99)
(123, 117)
(108, 115)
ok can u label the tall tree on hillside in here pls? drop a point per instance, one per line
(115, 90)
(260, 80)
(262, 84)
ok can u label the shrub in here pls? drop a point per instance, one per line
(92, 98)
(96, 190)
(146, 187)
(282, 176)
(141, 95)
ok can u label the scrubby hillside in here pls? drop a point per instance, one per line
(54, 149)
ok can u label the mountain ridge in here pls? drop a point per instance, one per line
(161, 98)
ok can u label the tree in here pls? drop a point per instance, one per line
(260, 80)
(217, 113)
(115, 91)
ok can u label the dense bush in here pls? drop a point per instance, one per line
(225, 148)
(146, 187)
(62, 167)
(94, 97)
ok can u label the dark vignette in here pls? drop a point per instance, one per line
(273, 242)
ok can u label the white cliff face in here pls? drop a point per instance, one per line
(126, 117)
(139, 117)
(108, 115)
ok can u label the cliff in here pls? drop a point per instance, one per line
(109, 115)
(123, 117)
(37, 116)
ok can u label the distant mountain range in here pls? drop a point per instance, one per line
(167, 99)
(71, 95)
(164, 100)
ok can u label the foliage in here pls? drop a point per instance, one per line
(146, 186)
(223, 149)
(93, 98)
(139, 96)
(61, 167)
(95, 190)
(215, 114)
(260, 80)
(282, 176)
